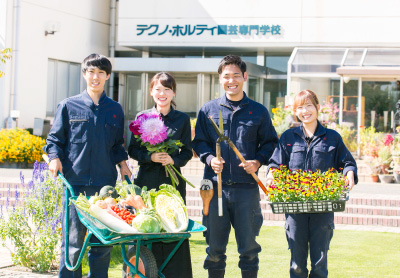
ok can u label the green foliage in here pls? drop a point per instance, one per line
(349, 136)
(385, 155)
(34, 226)
(168, 146)
(369, 139)
(4, 56)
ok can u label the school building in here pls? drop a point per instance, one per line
(345, 51)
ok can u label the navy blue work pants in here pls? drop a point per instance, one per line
(99, 257)
(241, 209)
(306, 232)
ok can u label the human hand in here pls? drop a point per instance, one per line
(124, 170)
(270, 177)
(168, 160)
(350, 179)
(217, 165)
(250, 166)
(159, 157)
(55, 166)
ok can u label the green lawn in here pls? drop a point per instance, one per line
(353, 254)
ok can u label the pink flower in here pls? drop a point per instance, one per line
(388, 139)
(153, 130)
(134, 126)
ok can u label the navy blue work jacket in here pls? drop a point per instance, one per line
(325, 151)
(249, 127)
(88, 139)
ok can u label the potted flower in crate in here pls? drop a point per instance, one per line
(306, 191)
(374, 166)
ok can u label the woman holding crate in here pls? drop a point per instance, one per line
(311, 147)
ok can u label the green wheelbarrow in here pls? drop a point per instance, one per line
(140, 255)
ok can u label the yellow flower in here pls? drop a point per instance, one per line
(18, 145)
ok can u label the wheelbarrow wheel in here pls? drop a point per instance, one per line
(147, 263)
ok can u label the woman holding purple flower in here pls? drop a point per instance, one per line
(149, 146)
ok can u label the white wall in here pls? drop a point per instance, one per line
(327, 23)
(5, 42)
(84, 29)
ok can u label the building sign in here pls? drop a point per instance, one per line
(200, 32)
(205, 29)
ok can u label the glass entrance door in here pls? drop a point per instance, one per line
(186, 93)
(133, 100)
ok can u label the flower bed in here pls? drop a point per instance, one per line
(18, 145)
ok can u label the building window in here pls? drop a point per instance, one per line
(64, 80)
(276, 63)
(250, 57)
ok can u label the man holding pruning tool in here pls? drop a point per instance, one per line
(232, 154)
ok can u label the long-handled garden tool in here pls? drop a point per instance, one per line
(222, 137)
(218, 151)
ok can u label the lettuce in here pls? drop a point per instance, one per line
(169, 205)
(147, 221)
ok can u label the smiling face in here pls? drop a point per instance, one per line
(233, 79)
(307, 112)
(95, 79)
(162, 95)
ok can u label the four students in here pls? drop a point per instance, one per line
(86, 142)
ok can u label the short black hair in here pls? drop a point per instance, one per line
(232, 60)
(97, 61)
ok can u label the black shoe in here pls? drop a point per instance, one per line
(249, 273)
(216, 273)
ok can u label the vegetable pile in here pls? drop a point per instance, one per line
(129, 209)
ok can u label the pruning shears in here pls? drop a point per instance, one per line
(221, 138)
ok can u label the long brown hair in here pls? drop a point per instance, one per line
(167, 80)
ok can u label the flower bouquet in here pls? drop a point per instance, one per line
(150, 130)
(306, 191)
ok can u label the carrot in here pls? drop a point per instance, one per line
(135, 201)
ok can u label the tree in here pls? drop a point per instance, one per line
(4, 56)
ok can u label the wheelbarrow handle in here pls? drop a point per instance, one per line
(61, 176)
(68, 192)
(128, 180)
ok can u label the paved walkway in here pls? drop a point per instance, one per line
(378, 190)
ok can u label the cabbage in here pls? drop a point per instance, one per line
(169, 205)
(147, 221)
